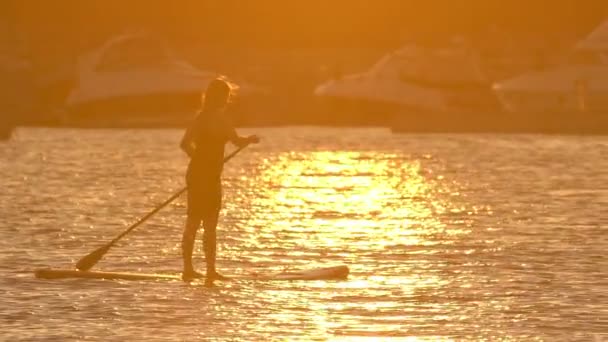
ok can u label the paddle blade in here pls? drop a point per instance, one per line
(89, 260)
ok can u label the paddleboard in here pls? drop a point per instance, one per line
(324, 273)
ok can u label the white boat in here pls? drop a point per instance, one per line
(135, 80)
(568, 89)
(596, 41)
(573, 90)
(413, 82)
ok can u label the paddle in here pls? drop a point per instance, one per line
(89, 260)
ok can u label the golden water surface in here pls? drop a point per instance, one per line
(447, 237)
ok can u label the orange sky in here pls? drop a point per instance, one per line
(299, 22)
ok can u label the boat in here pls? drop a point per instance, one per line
(323, 273)
(415, 88)
(135, 80)
(568, 98)
(596, 41)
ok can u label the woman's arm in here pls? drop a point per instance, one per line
(187, 144)
(238, 140)
(242, 141)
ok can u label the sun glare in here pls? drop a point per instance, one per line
(362, 200)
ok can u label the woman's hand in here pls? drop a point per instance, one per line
(244, 141)
(253, 139)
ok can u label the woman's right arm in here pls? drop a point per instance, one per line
(187, 144)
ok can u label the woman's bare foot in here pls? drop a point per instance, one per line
(189, 275)
(216, 276)
(212, 276)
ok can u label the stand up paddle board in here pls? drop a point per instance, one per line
(324, 273)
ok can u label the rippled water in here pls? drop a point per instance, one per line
(447, 237)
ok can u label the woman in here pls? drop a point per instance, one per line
(204, 143)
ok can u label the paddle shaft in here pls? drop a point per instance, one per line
(164, 204)
(92, 258)
(143, 219)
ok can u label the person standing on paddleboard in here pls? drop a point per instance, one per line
(204, 143)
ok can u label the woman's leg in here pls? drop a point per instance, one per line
(193, 222)
(210, 242)
(188, 238)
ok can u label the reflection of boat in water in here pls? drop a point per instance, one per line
(132, 80)
(421, 89)
(570, 98)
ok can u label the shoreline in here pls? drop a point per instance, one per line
(421, 123)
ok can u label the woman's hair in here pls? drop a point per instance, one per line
(218, 94)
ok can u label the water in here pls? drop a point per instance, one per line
(448, 237)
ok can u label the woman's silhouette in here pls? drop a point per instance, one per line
(204, 143)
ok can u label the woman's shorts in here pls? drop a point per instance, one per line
(204, 199)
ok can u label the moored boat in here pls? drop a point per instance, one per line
(570, 98)
(134, 80)
(409, 86)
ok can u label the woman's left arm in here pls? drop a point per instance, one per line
(238, 140)
(241, 141)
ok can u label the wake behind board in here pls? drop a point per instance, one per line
(324, 273)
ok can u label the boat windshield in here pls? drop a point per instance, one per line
(436, 67)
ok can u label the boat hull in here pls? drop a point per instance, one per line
(502, 122)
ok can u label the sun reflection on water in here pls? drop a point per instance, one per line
(359, 209)
(350, 199)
